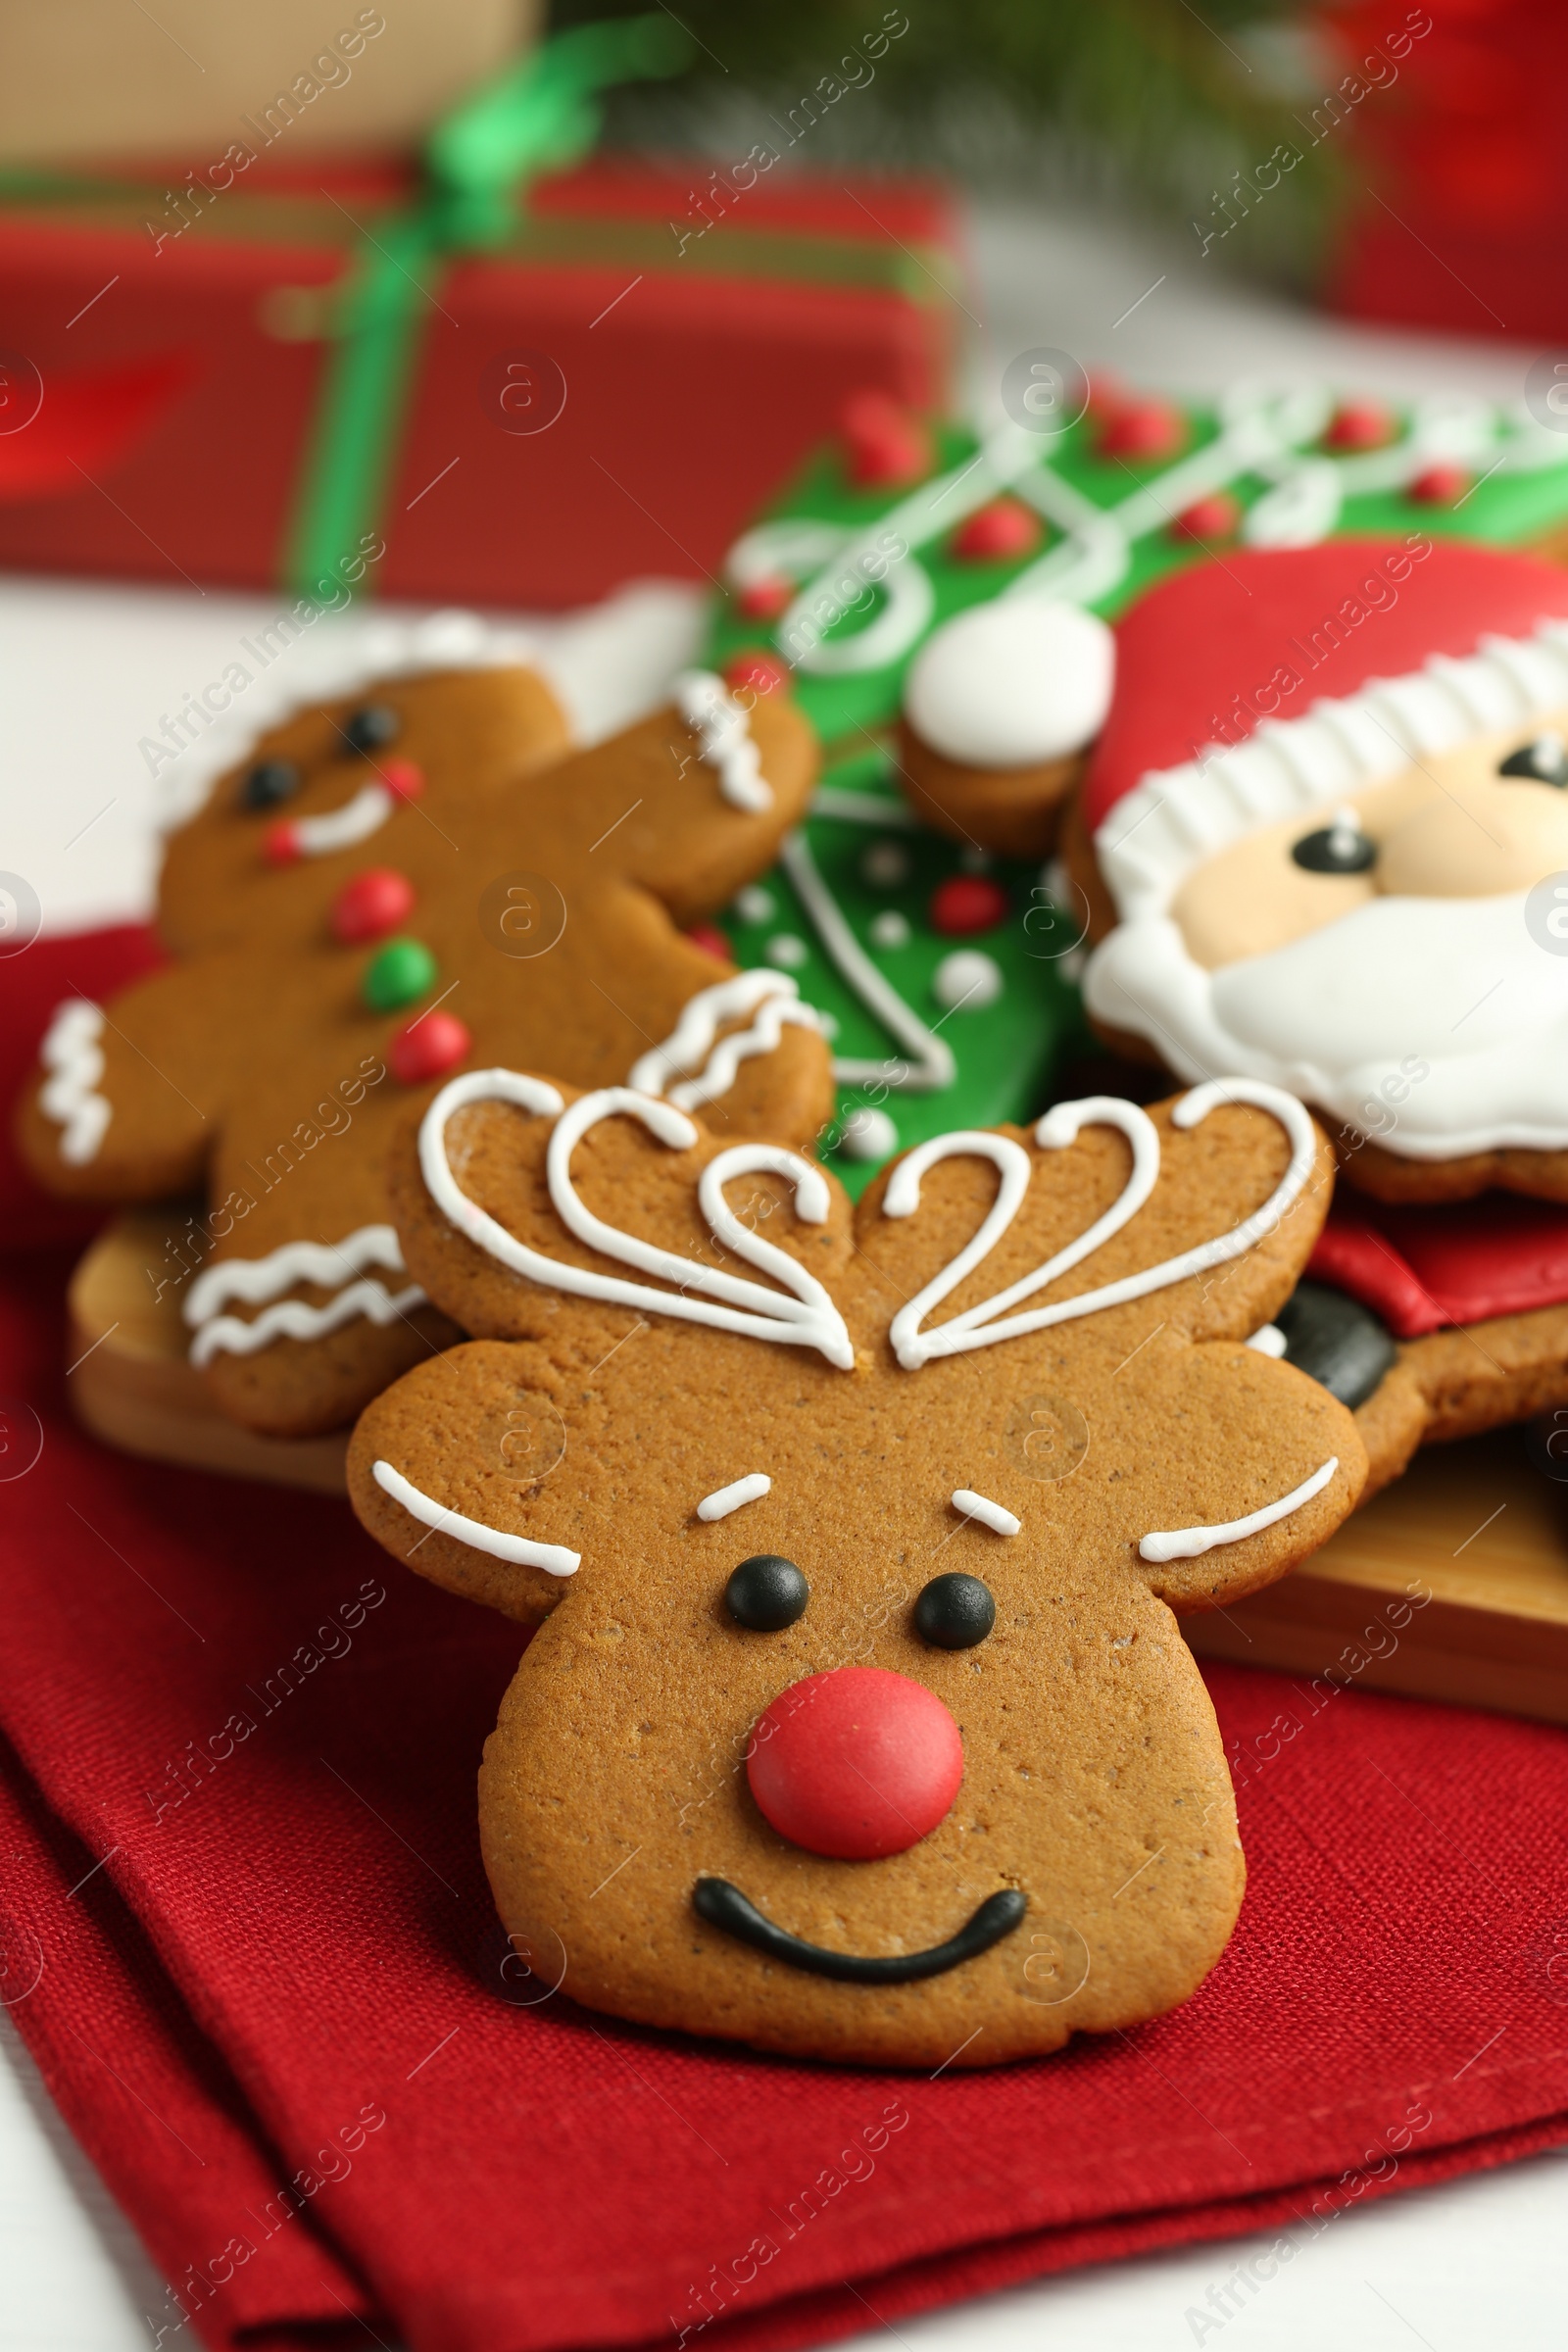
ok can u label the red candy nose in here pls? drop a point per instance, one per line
(855, 1763)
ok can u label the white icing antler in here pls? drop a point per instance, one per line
(800, 1315)
(978, 1326)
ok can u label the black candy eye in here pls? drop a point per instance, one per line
(268, 782)
(1338, 849)
(954, 1612)
(370, 729)
(766, 1593)
(1545, 760)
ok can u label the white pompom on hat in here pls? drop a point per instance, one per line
(1011, 683)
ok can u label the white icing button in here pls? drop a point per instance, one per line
(755, 905)
(885, 864)
(890, 929)
(968, 978)
(868, 1135)
(787, 951)
(1011, 683)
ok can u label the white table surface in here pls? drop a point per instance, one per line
(86, 671)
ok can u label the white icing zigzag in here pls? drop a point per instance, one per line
(257, 1279)
(802, 1314)
(772, 997)
(724, 733)
(71, 1053)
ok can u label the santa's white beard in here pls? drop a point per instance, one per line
(1436, 1024)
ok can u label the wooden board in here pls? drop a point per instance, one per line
(1453, 1584)
(132, 1381)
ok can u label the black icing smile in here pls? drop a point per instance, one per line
(724, 1906)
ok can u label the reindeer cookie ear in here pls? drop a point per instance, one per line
(1197, 1215)
(539, 1212)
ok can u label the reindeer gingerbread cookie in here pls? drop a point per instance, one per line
(393, 885)
(857, 1723)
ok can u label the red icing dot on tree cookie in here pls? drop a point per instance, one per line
(1005, 528)
(855, 1763)
(965, 903)
(403, 778)
(1144, 429)
(884, 444)
(711, 941)
(1359, 424)
(761, 673)
(1442, 485)
(373, 903)
(764, 600)
(1208, 518)
(428, 1049)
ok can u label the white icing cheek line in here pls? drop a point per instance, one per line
(296, 1319)
(723, 733)
(1187, 1542)
(341, 828)
(990, 1514)
(257, 1279)
(802, 1314)
(71, 1053)
(725, 1499)
(554, 1559)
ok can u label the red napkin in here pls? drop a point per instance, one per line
(247, 1936)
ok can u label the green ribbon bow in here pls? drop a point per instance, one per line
(539, 116)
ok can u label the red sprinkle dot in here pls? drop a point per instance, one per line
(1146, 430)
(965, 903)
(761, 671)
(885, 445)
(428, 1049)
(1213, 518)
(403, 778)
(857, 1762)
(764, 600)
(1441, 485)
(712, 942)
(1359, 424)
(994, 533)
(373, 903)
(280, 844)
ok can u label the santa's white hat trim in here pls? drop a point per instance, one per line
(1174, 818)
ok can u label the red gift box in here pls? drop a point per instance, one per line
(703, 335)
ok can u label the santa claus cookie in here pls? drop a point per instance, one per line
(857, 1724)
(391, 886)
(1326, 829)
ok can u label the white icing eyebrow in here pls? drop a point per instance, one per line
(725, 1499)
(1186, 1542)
(990, 1514)
(554, 1559)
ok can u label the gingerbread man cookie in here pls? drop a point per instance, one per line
(392, 886)
(1326, 834)
(857, 1723)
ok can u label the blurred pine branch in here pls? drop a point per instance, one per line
(1154, 103)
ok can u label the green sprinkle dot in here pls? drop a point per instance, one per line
(402, 971)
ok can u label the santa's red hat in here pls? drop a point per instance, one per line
(1277, 680)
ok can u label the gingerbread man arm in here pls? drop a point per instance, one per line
(132, 1095)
